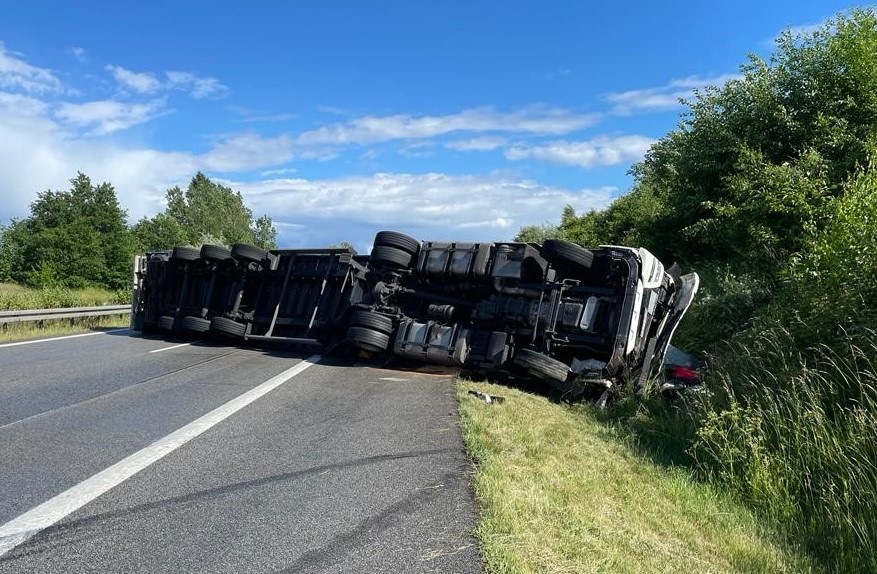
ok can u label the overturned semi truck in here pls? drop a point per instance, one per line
(580, 320)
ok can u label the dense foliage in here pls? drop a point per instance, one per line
(80, 238)
(768, 189)
(72, 238)
(206, 212)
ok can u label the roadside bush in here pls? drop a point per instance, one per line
(793, 421)
(17, 299)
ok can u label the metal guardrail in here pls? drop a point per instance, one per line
(62, 313)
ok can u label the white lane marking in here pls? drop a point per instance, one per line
(174, 347)
(61, 338)
(48, 513)
(393, 379)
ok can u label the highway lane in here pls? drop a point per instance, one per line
(338, 469)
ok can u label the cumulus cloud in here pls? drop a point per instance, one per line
(140, 82)
(426, 206)
(477, 144)
(666, 97)
(247, 152)
(38, 152)
(591, 153)
(197, 87)
(15, 73)
(47, 140)
(373, 129)
(309, 212)
(108, 116)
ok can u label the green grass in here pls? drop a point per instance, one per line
(32, 330)
(16, 298)
(795, 434)
(562, 491)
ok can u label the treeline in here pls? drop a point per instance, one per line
(80, 238)
(768, 188)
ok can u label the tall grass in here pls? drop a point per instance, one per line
(16, 298)
(794, 432)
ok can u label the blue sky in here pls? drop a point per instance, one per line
(459, 120)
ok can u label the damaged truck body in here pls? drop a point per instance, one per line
(578, 319)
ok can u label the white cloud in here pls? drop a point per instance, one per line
(372, 129)
(276, 172)
(248, 152)
(147, 82)
(197, 87)
(78, 53)
(309, 212)
(140, 82)
(662, 98)
(595, 152)
(15, 73)
(477, 144)
(426, 206)
(38, 153)
(282, 117)
(108, 116)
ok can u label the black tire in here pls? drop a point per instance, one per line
(215, 253)
(367, 339)
(248, 253)
(384, 256)
(373, 321)
(185, 253)
(565, 254)
(541, 366)
(166, 323)
(195, 324)
(229, 327)
(397, 240)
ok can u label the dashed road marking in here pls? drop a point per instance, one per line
(50, 339)
(19, 529)
(173, 347)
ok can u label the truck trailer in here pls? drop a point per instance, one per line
(583, 321)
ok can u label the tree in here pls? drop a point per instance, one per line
(72, 238)
(204, 212)
(158, 233)
(264, 233)
(758, 160)
(755, 164)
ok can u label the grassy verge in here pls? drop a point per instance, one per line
(22, 331)
(562, 492)
(16, 298)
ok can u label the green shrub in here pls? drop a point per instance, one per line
(17, 299)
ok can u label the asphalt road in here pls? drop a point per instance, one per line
(127, 454)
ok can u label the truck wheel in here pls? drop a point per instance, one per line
(185, 253)
(248, 253)
(541, 366)
(368, 339)
(195, 324)
(563, 254)
(373, 321)
(397, 240)
(393, 257)
(215, 253)
(228, 327)
(166, 323)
